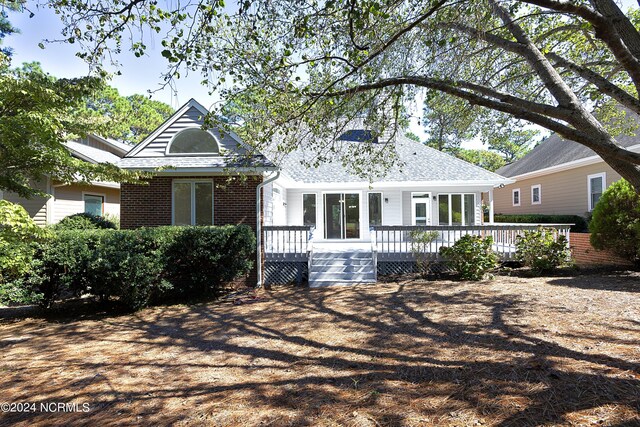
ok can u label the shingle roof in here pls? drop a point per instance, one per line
(555, 151)
(91, 153)
(191, 162)
(417, 163)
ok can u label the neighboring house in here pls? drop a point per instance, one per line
(557, 177)
(206, 177)
(67, 199)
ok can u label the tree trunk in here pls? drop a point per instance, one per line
(627, 170)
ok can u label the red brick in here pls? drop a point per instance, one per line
(586, 255)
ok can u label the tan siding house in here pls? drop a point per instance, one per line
(69, 199)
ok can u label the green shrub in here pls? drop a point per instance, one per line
(85, 221)
(580, 223)
(19, 235)
(543, 250)
(200, 259)
(471, 256)
(420, 244)
(615, 223)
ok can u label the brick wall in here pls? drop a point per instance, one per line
(586, 255)
(234, 202)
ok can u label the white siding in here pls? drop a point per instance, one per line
(275, 204)
(191, 118)
(35, 206)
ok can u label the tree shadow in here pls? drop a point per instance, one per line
(618, 281)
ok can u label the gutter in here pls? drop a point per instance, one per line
(259, 226)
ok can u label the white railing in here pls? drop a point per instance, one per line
(288, 241)
(394, 241)
(374, 252)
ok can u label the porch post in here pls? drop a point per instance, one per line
(491, 206)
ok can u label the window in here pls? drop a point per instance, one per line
(456, 209)
(193, 141)
(536, 194)
(309, 209)
(596, 184)
(94, 204)
(516, 197)
(193, 202)
(375, 209)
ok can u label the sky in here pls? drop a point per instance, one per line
(139, 75)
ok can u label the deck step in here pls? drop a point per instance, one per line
(341, 268)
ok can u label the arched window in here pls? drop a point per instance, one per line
(193, 141)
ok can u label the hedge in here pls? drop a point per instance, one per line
(141, 267)
(580, 224)
(85, 221)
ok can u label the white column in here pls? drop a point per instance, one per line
(491, 206)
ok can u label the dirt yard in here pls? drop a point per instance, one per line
(512, 351)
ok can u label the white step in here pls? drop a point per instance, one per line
(340, 268)
(368, 276)
(323, 283)
(342, 255)
(344, 262)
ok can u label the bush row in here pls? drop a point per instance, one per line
(139, 267)
(580, 224)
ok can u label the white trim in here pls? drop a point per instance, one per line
(513, 192)
(93, 193)
(602, 175)
(404, 185)
(462, 206)
(302, 199)
(173, 138)
(171, 120)
(539, 187)
(586, 161)
(226, 171)
(193, 199)
(381, 207)
(425, 200)
(324, 215)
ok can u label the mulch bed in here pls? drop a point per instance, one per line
(510, 351)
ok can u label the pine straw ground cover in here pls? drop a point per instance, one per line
(512, 351)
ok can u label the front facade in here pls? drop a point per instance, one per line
(558, 177)
(100, 198)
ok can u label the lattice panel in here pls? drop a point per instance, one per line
(284, 273)
(386, 268)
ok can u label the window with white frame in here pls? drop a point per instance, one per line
(515, 197)
(597, 184)
(536, 194)
(192, 141)
(309, 209)
(456, 209)
(375, 209)
(193, 202)
(94, 204)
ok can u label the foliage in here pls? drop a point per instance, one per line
(485, 159)
(448, 121)
(126, 118)
(471, 256)
(140, 267)
(543, 250)
(312, 66)
(85, 221)
(38, 113)
(615, 223)
(579, 223)
(18, 233)
(420, 244)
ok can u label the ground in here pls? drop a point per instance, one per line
(511, 351)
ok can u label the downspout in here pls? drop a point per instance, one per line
(259, 226)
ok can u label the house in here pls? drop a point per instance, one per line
(66, 199)
(557, 177)
(209, 177)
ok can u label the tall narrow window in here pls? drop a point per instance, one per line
(443, 209)
(596, 184)
(456, 209)
(536, 194)
(375, 209)
(193, 202)
(94, 204)
(516, 197)
(309, 209)
(469, 209)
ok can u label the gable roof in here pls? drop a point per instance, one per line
(417, 162)
(122, 147)
(91, 154)
(556, 151)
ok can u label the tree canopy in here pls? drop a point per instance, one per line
(317, 64)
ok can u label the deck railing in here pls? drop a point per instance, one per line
(287, 242)
(394, 242)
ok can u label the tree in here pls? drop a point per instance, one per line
(126, 118)
(548, 62)
(38, 113)
(485, 159)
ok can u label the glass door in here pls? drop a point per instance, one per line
(342, 216)
(420, 208)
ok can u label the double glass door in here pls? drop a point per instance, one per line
(342, 216)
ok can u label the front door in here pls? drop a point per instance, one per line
(341, 216)
(420, 204)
